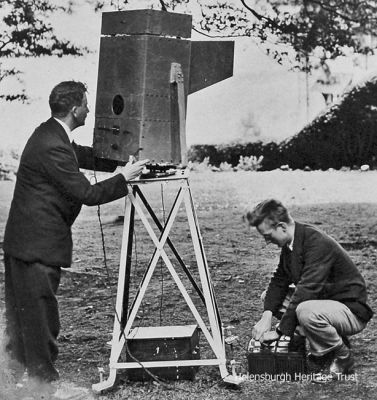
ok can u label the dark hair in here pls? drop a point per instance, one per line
(270, 209)
(66, 95)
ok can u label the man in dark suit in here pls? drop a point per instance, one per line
(329, 300)
(49, 193)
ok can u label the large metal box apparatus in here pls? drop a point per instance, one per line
(285, 356)
(136, 110)
(133, 107)
(164, 343)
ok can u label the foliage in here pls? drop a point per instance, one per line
(225, 167)
(232, 152)
(26, 32)
(9, 161)
(200, 166)
(250, 163)
(315, 30)
(311, 28)
(245, 163)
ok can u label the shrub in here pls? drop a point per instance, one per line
(9, 161)
(225, 167)
(231, 153)
(251, 163)
(200, 166)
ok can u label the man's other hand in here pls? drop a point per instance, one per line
(270, 336)
(132, 170)
(262, 326)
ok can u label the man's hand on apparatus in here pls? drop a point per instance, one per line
(262, 326)
(132, 170)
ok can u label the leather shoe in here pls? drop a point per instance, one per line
(320, 362)
(342, 365)
(338, 367)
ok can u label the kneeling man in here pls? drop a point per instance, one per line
(329, 301)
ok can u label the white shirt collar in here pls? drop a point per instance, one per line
(290, 245)
(66, 128)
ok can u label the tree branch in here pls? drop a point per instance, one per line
(335, 11)
(260, 17)
(3, 44)
(218, 36)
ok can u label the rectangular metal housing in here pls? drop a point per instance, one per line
(136, 69)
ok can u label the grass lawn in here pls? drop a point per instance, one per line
(344, 204)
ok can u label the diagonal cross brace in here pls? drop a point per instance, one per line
(170, 244)
(161, 231)
(160, 252)
(190, 201)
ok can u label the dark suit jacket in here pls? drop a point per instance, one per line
(49, 193)
(321, 269)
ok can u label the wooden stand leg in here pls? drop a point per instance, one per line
(210, 300)
(117, 341)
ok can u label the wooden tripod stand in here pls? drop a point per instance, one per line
(123, 319)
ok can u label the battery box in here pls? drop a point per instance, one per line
(284, 356)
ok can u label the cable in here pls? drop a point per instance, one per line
(154, 377)
(161, 265)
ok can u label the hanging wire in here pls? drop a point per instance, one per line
(306, 69)
(147, 371)
(161, 264)
(136, 267)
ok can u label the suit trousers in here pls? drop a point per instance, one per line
(32, 316)
(324, 322)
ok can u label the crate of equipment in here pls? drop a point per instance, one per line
(163, 343)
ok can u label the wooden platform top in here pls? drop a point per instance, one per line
(159, 332)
